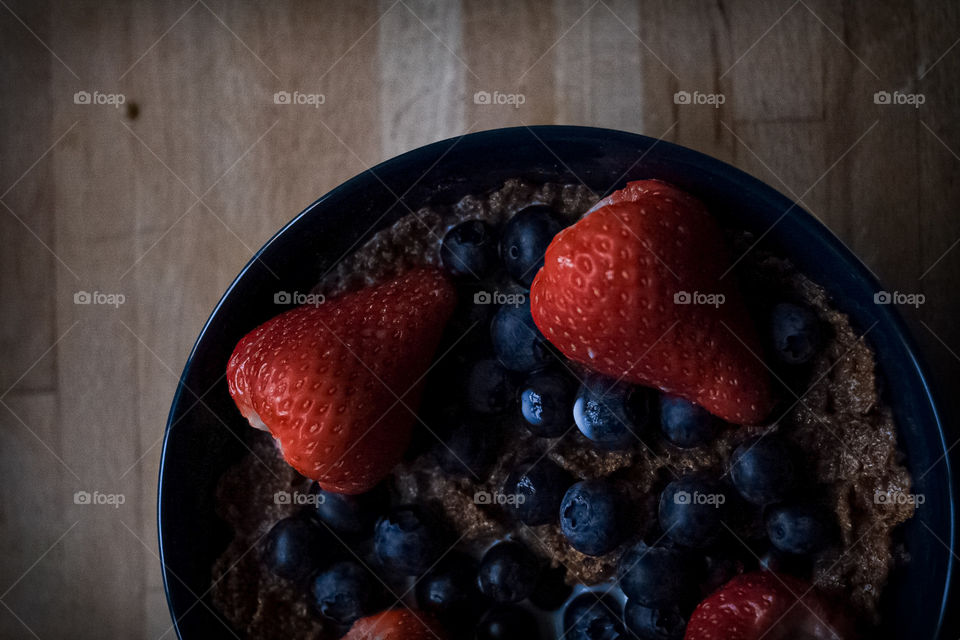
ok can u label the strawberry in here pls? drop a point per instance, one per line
(616, 294)
(396, 624)
(325, 379)
(767, 605)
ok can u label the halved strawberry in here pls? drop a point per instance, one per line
(396, 624)
(637, 290)
(335, 383)
(767, 605)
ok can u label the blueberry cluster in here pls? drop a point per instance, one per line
(320, 550)
(471, 248)
(696, 549)
(345, 551)
(693, 551)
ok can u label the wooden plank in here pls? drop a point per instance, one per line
(34, 514)
(422, 91)
(511, 42)
(596, 58)
(872, 201)
(775, 64)
(107, 179)
(27, 265)
(689, 44)
(938, 63)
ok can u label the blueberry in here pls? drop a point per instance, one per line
(552, 589)
(507, 622)
(542, 485)
(351, 515)
(450, 588)
(692, 510)
(589, 517)
(517, 341)
(469, 250)
(490, 387)
(525, 239)
(657, 576)
(508, 572)
(470, 450)
(545, 402)
(684, 423)
(796, 333)
(764, 469)
(295, 548)
(344, 592)
(611, 414)
(800, 528)
(408, 540)
(654, 624)
(593, 616)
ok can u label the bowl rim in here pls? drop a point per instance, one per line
(682, 156)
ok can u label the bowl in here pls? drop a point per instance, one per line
(205, 433)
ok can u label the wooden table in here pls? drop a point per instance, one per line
(177, 163)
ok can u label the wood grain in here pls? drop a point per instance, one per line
(163, 202)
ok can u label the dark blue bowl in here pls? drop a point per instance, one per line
(205, 431)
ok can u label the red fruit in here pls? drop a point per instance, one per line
(770, 606)
(325, 379)
(616, 294)
(396, 624)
